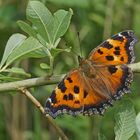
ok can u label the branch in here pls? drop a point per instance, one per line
(40, 107)
(33, 82)
(28, 83)
(135, 67)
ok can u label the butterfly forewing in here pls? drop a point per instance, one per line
(116, 50)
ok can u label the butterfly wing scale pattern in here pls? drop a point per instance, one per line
(78, 93)
(116, 50)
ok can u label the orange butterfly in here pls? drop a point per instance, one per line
(98, 81)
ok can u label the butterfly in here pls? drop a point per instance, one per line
(98, 81)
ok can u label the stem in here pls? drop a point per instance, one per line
(3, 69)
(51, 66)
(28, 83)
(40, 107)
(32, 98)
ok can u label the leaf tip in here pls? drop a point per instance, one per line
(71, 11)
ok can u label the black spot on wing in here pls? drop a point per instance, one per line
(69, 79)
(99, 51)
(85, 93)
(125, 33)
(62, 86)
(122, 58)
(117, 48)
(53, 97)
(107, 45)
(65, 97)
(117, 37)
(116, 52)
(109, 57)
(112, 69)
(76, 89)
(70, 96)
(77, 102)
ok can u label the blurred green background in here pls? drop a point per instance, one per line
(95, 20)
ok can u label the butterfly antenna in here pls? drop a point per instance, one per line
(72, 50)
(79, 42)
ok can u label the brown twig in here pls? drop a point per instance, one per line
(40, 107)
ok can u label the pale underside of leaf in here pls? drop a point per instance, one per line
(39, 15)
(125, 121)
(29, 45)
(14, 41)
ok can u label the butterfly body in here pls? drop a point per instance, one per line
(98, 81)
(88, 68)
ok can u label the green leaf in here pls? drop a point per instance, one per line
(138, 126)
(8, 78)
(40, 53)
(24, 50)
(40, 16)
(61, 23)
(27, 28)
(18, 71)
(56, 51)
(48, 27)
(125, 121)
(14, 41)
(44, 66)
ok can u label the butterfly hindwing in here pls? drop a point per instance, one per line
(76, 94)
(67, 97)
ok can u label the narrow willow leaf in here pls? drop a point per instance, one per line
(39, 53)
(125, 121)
(18, 71)
(14, 41)
(56, 42)
(55, 51)
(61, 23)
(27, 28)
(138, 126)
(24, 50)
(44, 66)
(40, 16)
(8, 78)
